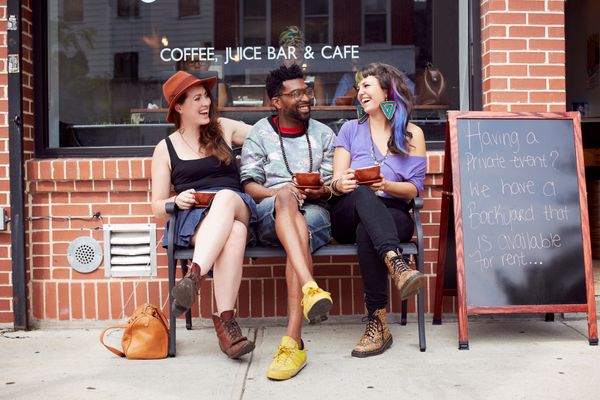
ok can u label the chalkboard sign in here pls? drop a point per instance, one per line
(520, 215)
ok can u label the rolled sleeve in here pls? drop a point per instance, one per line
(417, 171)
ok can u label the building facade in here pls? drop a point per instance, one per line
(91, 105)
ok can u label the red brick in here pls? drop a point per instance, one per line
(528, 84)
(71, 210)
(359, 299)
(493, 31)
(123, 168)
(64, 311)
(61, 273)
(90, 300)
(346, 296)
(116, 301)
(37, 299)
(499, 18)
(244, 299)
(556, 57)
(546, 44)
(51, 311)
(527, 57)
(110, 169)
(547, 97)
(141, 293)
(546, 19)
(507, 44)
(76, 301)
(85, 169)
(556, 31)
(137, 169)
(507, 70)
(556, 5)
(206, 298)
(256, 298)
(128, 298)
(98, 169)
(102, 186)
(529, 5)
(6, 317)
(86, 197)
(121, 186)
(154, 293)
(281, 296)
(58, 169)
(508, 97)
(269, 297)
(103, 301)
(128, 197)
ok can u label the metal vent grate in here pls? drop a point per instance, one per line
(84, 254)
(130, 249)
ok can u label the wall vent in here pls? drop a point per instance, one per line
(130, 250)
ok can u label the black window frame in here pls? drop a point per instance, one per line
(41, 104)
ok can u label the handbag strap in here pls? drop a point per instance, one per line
(109, 348)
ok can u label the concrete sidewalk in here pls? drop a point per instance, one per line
(509, 358)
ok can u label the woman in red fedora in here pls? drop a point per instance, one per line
(198, 157)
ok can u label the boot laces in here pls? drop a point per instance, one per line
(312, 291)
(399, 264)
(374, 326)
(283, 355)
(232, 328)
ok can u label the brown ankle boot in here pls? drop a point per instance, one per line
(230, 336)
(407, 280)
(185, 291)
(377, 337)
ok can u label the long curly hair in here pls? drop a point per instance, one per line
(211, 135)
(394, 84)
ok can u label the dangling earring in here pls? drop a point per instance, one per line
(361, 113)
(388, 108)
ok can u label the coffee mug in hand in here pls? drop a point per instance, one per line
(203, 198)
(307, 179)
(367, 174)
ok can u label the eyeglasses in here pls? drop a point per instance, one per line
(299, 93)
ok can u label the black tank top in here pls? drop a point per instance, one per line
(202, 173)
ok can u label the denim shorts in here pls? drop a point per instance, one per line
(317, 219)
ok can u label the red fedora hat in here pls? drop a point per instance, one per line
(177, 84)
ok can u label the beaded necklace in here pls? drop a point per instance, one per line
(287, 165)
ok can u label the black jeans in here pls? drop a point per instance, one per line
(377, 225)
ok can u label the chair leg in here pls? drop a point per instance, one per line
(188, 319)
(403, 312)
(172, 320)
(421, 320)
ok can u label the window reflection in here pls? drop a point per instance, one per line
(105, 73)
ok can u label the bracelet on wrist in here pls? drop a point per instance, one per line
(333, 189)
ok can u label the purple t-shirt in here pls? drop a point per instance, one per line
(356, 138)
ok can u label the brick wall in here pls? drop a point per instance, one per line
(120, 190)
(5, 264)
(523, 50)
(523, 69)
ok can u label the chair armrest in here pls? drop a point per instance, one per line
(171, 207)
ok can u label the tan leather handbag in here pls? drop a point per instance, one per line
(430, 86)
(146, 334)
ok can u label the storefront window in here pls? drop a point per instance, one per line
(106, 62)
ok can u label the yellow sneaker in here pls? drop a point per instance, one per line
(316, 302)
(287, 361)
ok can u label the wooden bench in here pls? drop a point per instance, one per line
(414, 248)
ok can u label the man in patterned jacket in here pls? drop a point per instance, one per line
(294, 217)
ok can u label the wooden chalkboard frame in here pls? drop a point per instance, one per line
(455, 176)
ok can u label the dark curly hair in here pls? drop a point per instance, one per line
(275, 79)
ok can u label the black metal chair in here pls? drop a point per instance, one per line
(414, 248)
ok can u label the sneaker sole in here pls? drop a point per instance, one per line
(275, 377)
(364, 354)
(244, 350)
(318, 311)
(411, 287)
(183, 293)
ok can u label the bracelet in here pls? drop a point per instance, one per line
(330, 194)
(333, 189)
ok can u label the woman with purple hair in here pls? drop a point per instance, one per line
(375, 214)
